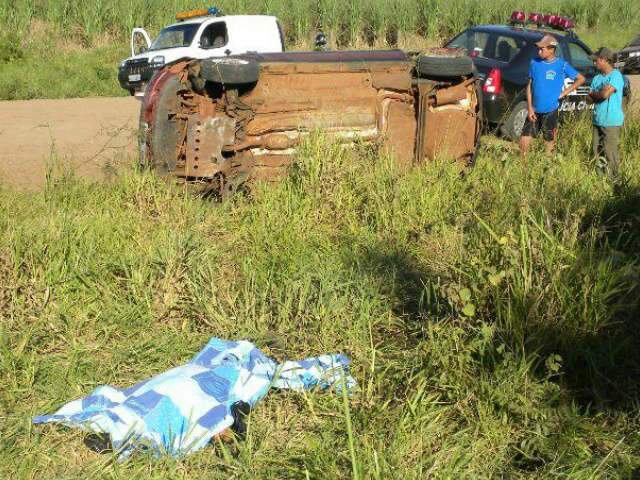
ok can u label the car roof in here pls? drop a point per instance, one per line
(529, 34)
(207, 18)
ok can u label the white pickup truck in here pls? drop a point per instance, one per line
(197, 34)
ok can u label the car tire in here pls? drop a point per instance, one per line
(512, 127)
(230, 71)
(443, 63)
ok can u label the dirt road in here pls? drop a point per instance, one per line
(90, 135)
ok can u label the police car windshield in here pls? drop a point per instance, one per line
(175, 36)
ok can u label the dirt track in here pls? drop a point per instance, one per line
(91, 135)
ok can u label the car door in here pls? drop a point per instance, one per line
(213, 40)
(578, 56)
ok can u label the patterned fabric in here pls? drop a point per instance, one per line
(179, 411)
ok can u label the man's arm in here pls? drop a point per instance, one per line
(577, 83)
(532, 113)
(605, 92)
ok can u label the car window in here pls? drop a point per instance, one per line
(176, 36)
(214, 36)
(475, 43)
(579, 57)
(507, 48)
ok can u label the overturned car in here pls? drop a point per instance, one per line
(222, 122)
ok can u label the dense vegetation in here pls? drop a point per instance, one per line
(349, 21)
(66, 48)
(492, 318)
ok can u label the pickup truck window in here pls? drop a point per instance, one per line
(214, 36)
(175, 36)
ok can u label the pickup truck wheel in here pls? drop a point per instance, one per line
(512, 127)
(232, 71)
(444, 63)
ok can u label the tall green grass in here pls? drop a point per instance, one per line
(349, 20)
(491, 316)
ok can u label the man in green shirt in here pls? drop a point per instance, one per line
(606, 91)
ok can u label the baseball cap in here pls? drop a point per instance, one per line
(602, 52)
(547, 41)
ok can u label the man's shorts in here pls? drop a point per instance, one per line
(547, 122)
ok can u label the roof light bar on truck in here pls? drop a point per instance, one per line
(201, 12)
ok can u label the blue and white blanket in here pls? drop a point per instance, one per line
(179, 411)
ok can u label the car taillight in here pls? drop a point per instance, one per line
(493, 83)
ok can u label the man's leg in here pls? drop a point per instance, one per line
(550, 131)
(597, 141)
(529, 130)
(525, 142)
(611, 151)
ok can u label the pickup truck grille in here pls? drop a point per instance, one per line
(139, 66)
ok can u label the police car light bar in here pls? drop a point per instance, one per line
(553, 21)
(202, 12)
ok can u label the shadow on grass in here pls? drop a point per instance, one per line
(600, 370)
(603, 370)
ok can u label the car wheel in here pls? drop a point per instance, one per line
(444, 63)
(231, 71)
(512, 127)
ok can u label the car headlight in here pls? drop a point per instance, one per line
(157, 61)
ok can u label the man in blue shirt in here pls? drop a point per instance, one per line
(547, 75)
(606, 91)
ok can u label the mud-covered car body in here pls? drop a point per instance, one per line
(223, 123)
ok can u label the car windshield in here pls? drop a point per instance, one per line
(635, 42)
(489, 45)
(175, 36)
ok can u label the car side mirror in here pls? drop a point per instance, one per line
(227, 52)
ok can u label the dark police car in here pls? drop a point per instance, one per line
(502, 54)
(628, 59)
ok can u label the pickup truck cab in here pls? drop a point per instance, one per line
(197, 34)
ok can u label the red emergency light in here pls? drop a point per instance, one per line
(535, 18)
(553, 21)
(566, 23)
(518, 17)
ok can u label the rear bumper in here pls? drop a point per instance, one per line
(494, 107)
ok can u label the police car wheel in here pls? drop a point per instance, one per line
(512, 127)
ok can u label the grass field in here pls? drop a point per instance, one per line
(65, 48)
(492, 318)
